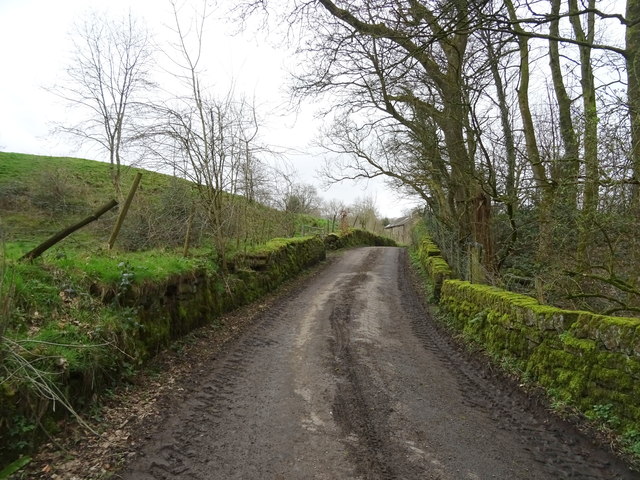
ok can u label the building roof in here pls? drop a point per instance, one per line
(401, 222)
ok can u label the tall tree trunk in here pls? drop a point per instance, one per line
(569, 167)
(533, 153)
(114, 169)
(587, 82)
(510, 198)
(633, 95)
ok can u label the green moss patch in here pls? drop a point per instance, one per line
(434, 265)
(589, 361)
(585, 358)
(356, 237)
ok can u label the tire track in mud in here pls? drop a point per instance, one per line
(360, 408)
(556, 445)
(201, 408)
(351, 409)
(347, 376)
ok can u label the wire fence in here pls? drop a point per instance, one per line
(449, 244)
(463, 256)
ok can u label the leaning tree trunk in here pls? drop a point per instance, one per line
(51, 241)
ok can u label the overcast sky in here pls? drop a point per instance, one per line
(36, 46)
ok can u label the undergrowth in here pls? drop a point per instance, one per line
(34, 353)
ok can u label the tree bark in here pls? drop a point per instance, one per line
(633, 95)
(533, 152)
(51, 241)
(124, 211)
(567, 173)
(511, 195)
(587, 82)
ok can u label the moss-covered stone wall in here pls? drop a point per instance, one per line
(435, 266)
(588, 361)
(356, 237)
(145, 319)
(584, 359)
(172, 308)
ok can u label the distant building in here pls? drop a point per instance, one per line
(400, 229)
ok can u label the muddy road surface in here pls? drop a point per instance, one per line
(347, 377)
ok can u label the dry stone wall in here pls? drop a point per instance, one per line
(585, 360)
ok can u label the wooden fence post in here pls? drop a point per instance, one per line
(51, 241)
(124, 210)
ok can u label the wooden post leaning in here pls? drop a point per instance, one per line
(51, 241)
(124, 210)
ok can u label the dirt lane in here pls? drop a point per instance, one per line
(347, 377)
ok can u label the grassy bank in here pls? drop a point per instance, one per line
(80, 318)
(82, 322)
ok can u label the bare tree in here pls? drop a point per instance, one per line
(396, 72)
(209, 141)
(522, 116)
(332, 210)
(365, 214)
(301, 198)
(108, 73)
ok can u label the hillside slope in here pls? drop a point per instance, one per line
(40, 195)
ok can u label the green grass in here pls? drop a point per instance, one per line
(310, 225)
(14, 250)
(148, 265)
(25, 168)
(273, 245)
(73, 318)
(40, 195)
